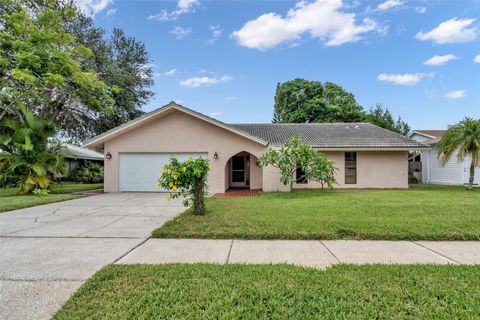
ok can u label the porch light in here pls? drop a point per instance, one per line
(108, 155)
(215, 155)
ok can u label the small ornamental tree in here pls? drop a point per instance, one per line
(187, 179)
(294, 155)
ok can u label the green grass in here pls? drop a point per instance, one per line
(202, 291)
(419, 213)
(59, 192)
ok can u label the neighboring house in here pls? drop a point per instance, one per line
(366, 156)
(76, 156)
(432, 171)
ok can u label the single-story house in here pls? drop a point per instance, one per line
(366, 156)
(76, 156)
(454, 172)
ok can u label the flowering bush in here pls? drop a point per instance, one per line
(187, 179)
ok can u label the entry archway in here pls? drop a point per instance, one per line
(242, 171)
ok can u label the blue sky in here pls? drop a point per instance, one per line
(421, 59)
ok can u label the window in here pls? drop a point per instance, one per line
(350, 167)
(300, 176)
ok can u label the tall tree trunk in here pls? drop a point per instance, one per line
(472, 175)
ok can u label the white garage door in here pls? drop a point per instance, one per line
(139, 171)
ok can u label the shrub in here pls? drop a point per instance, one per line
(187, 179)
(89, 172)
(29, 151)
(41, 192)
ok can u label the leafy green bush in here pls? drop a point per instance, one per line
(89, 172)
(41, 192)
(187, 179)
(28, 151)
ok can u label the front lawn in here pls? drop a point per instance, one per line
(202, 291)
(59, 192)
(419, 213)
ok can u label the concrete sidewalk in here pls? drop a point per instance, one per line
(313, 253)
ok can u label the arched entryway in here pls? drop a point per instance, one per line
(243, 172)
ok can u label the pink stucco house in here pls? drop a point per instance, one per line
(367, 156)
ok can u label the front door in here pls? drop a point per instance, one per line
(238, 172)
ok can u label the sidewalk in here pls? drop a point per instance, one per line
(314, 253)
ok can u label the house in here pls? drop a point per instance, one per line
(432, 171)
(366, 156)
(76, 156)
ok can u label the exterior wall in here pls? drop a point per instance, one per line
(180, 132)
(454, 172)
(375, 169)
(256, 173)
(271, 180)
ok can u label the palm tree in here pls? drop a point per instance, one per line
(463, 137)
(27, 152)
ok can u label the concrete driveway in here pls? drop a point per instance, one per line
(47, 252)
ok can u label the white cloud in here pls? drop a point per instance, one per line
(215, 114)
(450, 31)
(389, 4)
(230, 98)
(111, 12)
(321, 19)
(216, 33)
(180, 32)
(477, 58)
(196, 82)
(187, 4)
(171, 72)
(92, 7)
(407, 79)
(440, 60)
(183, 6)
(455, 94)
(420, 9)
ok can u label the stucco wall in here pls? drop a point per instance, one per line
(375, 169)
(180, 132)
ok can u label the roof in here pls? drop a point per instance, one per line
(82, 153)
(98, 141)
(332, 135)
(318, 135)
(434, 135)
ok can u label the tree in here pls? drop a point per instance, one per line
(119, 61)
(44, 68)
(126, 67)
(384, 119)
(300, 101)
(27, 151)
(187, 179)
(294, 155)
(464, 138)
(120, 64)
